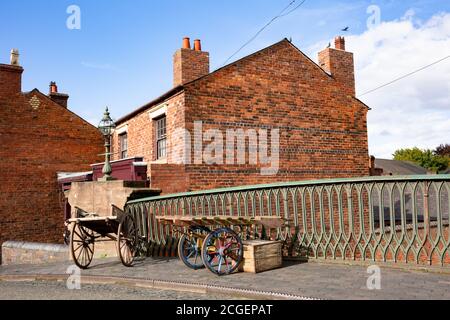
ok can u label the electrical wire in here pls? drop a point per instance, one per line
(404, 76)
(280, 15)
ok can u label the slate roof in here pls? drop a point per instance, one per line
(397, 168)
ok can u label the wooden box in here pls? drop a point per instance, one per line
(260, 255)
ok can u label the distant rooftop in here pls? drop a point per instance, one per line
(395, 168)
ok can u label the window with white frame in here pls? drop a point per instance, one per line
(161, 138)
(123, 140)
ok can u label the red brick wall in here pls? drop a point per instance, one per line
(323, 129)
(36, 143)
(10, 80)
(170, 178)
(142, 133)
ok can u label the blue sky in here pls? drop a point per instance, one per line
(122, 56)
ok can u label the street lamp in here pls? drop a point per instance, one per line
(107, 127)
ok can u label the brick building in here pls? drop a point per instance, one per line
(39, 137)
(322, 126)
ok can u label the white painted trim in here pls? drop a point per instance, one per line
(158, 111)
(122, 129)
(140, 164)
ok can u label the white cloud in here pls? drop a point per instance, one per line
(414, 111)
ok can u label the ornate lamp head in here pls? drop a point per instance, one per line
(107, 125)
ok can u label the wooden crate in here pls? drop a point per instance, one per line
(260, 255)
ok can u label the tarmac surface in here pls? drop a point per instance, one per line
(293, 281)
(57, 290)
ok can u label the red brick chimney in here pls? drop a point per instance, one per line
(59, 98)
(339, 43)
(11, 76)
(340, 64)
(189, 64)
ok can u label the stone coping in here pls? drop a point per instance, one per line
(35, 246)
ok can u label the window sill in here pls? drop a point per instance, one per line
(160, 161)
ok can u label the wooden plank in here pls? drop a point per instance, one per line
(92, 219)
(268, 222)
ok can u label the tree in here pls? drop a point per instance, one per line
(424, 158)
(443, 150)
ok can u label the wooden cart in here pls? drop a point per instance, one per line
(219, 249)
(88, 228)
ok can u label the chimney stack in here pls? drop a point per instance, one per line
(189, 64)
(339, 43)
(59, 98)
(340, 65)
(11, 76)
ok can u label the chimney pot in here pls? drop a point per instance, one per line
(60, 98)
(339, 43)
(14, 59)
(189, 65)
(197, 45)
(53, 87)
(186, 43)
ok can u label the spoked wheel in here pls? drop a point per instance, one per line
(222, 251)
(190, 247)
(127, 241)
(82, 246)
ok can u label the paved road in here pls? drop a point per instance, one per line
(308, 279)
(44, 290)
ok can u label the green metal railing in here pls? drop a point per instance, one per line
(388, 219)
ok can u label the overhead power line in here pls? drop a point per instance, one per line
(404, 76)
(283, 13)
(288, 13)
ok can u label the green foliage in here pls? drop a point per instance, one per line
(424, 158)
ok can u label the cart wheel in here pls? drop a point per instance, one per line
(222, 251)
(127, 241)
(190, 247)
(82, 246)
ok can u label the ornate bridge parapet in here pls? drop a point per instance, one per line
(403, 219)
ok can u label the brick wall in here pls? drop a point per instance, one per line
(38, 138)
(323, 128)
(10, 80)
(170, 178)
(142, 133)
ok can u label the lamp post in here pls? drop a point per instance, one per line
(107, 127)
